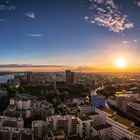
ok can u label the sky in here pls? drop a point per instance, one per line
(90, 33)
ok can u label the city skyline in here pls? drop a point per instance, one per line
(88, 35)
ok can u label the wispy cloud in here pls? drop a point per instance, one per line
(125, 42)
(30, 15)
(2, 20)
(35, 35)
(8, 8)
(107, 14)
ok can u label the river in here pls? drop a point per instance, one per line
(4, 78)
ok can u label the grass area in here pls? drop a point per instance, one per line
(123, 121)
(135, 130)
(109, 111)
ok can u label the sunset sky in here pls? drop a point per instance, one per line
(90, 33)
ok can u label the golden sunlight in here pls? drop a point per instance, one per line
(121, 62)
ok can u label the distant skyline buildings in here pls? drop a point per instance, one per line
(70, 76)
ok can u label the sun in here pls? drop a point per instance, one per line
(121, 63)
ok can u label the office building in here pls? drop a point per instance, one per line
(69, 77)
(98, 101)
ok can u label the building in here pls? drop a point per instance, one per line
(133, 109)
(39, 129)
(20, 103)
(84, 125)
(121, 99)
(98, 101)
(11, 121)
(121, 127)
(85, 109)
(42, 109)
(56, 135)
(9, 133)
(103, 131)
(67, 123)
(69, 77)
(29, 77)
(80, 101)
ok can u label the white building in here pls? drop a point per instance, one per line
(121, 128)
(67, 123)
(84, 125)
(20, 103)
(104, 131)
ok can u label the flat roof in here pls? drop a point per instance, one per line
(123, 121)
(85, 118)
(109, 111)
(102, 126)
(134, 105)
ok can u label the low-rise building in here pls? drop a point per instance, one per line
(133, 109)
(80, 101)
(104, 131)
(9, 133)
(11, 121)
(121, 127)
(85, 109)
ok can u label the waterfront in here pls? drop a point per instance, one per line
(4, 78)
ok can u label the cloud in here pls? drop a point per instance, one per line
(135, 40)
(137, 2)
(30, 15)
(34, 35)
(107, 14)
(8, 8)
(125, 42)
(2, 20)
(86, 18)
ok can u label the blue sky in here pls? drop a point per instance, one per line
(68, 32)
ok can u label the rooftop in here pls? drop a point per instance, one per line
(135, 130)
(85, 118)
(109, 111)
(123, 121)
(134, 105)
(102, 126)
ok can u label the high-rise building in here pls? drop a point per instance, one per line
(29, 75)
(69, 77)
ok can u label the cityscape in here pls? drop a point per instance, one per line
(69, 70)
